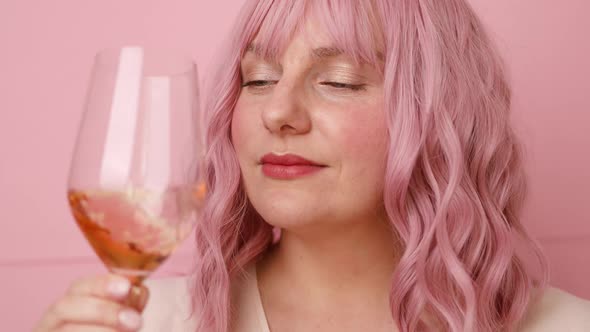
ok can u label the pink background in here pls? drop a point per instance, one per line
(46, 54)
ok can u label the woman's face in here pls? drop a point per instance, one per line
(319, 105)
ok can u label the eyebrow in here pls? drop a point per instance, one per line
(319, 53)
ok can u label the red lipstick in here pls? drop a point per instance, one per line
(288, 166)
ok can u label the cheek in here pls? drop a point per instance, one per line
(363, 150)
(364, 136)
(240, 128)
(245, 132)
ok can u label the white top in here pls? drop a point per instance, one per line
(168, 308)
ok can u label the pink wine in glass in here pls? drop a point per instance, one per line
(133, 231)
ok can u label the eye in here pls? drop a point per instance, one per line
(258, 83)
(337, 85)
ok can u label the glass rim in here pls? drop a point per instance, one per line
(183, 62)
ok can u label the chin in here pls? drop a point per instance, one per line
(286, 212)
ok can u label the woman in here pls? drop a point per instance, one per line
(375, 136)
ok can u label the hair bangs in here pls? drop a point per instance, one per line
(277, 26)
(352, 27)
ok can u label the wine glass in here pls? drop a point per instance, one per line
(135, 185)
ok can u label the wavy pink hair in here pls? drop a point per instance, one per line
(454, 184)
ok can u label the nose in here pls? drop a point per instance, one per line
(285, 112)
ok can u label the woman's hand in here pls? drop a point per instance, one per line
(96, 304)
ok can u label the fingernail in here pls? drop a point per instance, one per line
(130, 319)
(119, 287)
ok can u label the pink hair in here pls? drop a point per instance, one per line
(455, 182)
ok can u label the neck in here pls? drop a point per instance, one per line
(340, 264)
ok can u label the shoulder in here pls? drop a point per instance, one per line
(168, 307)
(557, 310)
(169, 304)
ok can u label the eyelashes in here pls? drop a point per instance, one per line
(258, 83)
(262, 84)
(337, 85)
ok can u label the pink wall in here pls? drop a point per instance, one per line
(46, 54)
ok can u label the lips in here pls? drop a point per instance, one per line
(289, 166)
(287, 160)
